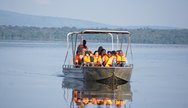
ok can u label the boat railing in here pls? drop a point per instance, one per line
(71, 66)
(79, 66)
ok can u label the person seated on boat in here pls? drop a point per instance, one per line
(112, 60)
(109, 53)
(78, 58)
(114, 53)
(85, 100)
(99, 101)
(100, 50)
(87, 59)
(97, 59)
(91, 56)
(107, 101)
(104, 57)
(121, 59)
(119, 103)
(117, 52)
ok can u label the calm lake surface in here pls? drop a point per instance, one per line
(31, 77)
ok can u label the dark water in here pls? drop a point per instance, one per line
(30, 78)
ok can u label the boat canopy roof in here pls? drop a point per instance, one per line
(101, 32)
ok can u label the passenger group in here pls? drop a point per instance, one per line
(99, 57)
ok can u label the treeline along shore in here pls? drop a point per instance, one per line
(140, 35)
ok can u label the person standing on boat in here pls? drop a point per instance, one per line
(81, 49)
(83, 46)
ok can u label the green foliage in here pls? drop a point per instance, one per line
(142, 35)
(157, 36)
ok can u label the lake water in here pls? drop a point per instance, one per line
(31, 77)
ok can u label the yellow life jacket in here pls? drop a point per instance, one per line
(120, 58)
(110, 61)
(87, 59)
(97, 59)
(105, 59)
(85, 100)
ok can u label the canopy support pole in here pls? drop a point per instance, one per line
(117, 44)
(112, 40)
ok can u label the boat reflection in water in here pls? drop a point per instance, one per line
(93, 94)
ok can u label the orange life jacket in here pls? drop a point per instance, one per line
(76, 59)
(75, 95)
(81, 47)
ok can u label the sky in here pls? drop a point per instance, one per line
(170, 13)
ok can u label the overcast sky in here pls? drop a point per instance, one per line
(172, 13)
